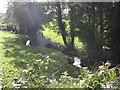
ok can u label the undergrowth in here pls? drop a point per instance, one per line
(15, 57)
(36, 67)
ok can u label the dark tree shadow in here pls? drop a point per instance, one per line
(23, 55)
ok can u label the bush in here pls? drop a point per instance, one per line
(102, 78)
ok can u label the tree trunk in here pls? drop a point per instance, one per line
(60, 23)
(33, 37)
(72, 27)
(115, 36)
(101, 27)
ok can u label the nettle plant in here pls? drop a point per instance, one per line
(33, 76)
(102, 78)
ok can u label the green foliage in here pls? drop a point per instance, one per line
(103, 78)
(51, 31)
(95, 29)
(92, 26)
(30, 67)
(15, 57)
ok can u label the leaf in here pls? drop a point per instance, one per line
(46, 67)
(31, 68)
(42, 63)
(112, 75)
(46, 63)
(36, 79)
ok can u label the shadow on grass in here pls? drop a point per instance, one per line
(20, 53)
(23, 55)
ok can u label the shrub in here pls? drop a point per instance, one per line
(102, 78)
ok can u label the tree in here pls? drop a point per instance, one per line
(115, 34)
(97, 27)
(29, 16)
(61, 23)
(64, 23)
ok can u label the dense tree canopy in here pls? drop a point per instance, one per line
(29, 17)
(95, 24)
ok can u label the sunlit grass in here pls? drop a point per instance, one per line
(53, 36)
(58, 38)
(8, 69)
(15, 57)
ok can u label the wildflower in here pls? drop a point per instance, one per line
(82, 81)
(100, 67)
(47, 57)
(23, 82)
(16, 78)
(51, 81)
(100, 72)
(25, 71)
(108, 86)
(39, 60)
(107, 64)
(42, 76)
(24, 87)
(90, 76)
(19, 81)
(16, 85)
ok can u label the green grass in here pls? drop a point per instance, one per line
(58, 38)
(15, 57)
(53, 36)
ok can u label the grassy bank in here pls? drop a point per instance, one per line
(15, 57)
(58, 38)
(32, 67)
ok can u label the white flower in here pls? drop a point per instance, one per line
(16, 85)
(23, 82)
(107, 63)
(19, 81)
(39, 60)
(25, 71)
(100, 72)
(51, 81)
(16, 78)
(47, 57)
(100, 67)
(90, 76)
(108, 86)
(82, 81)
(24, 87)
(42, 76)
